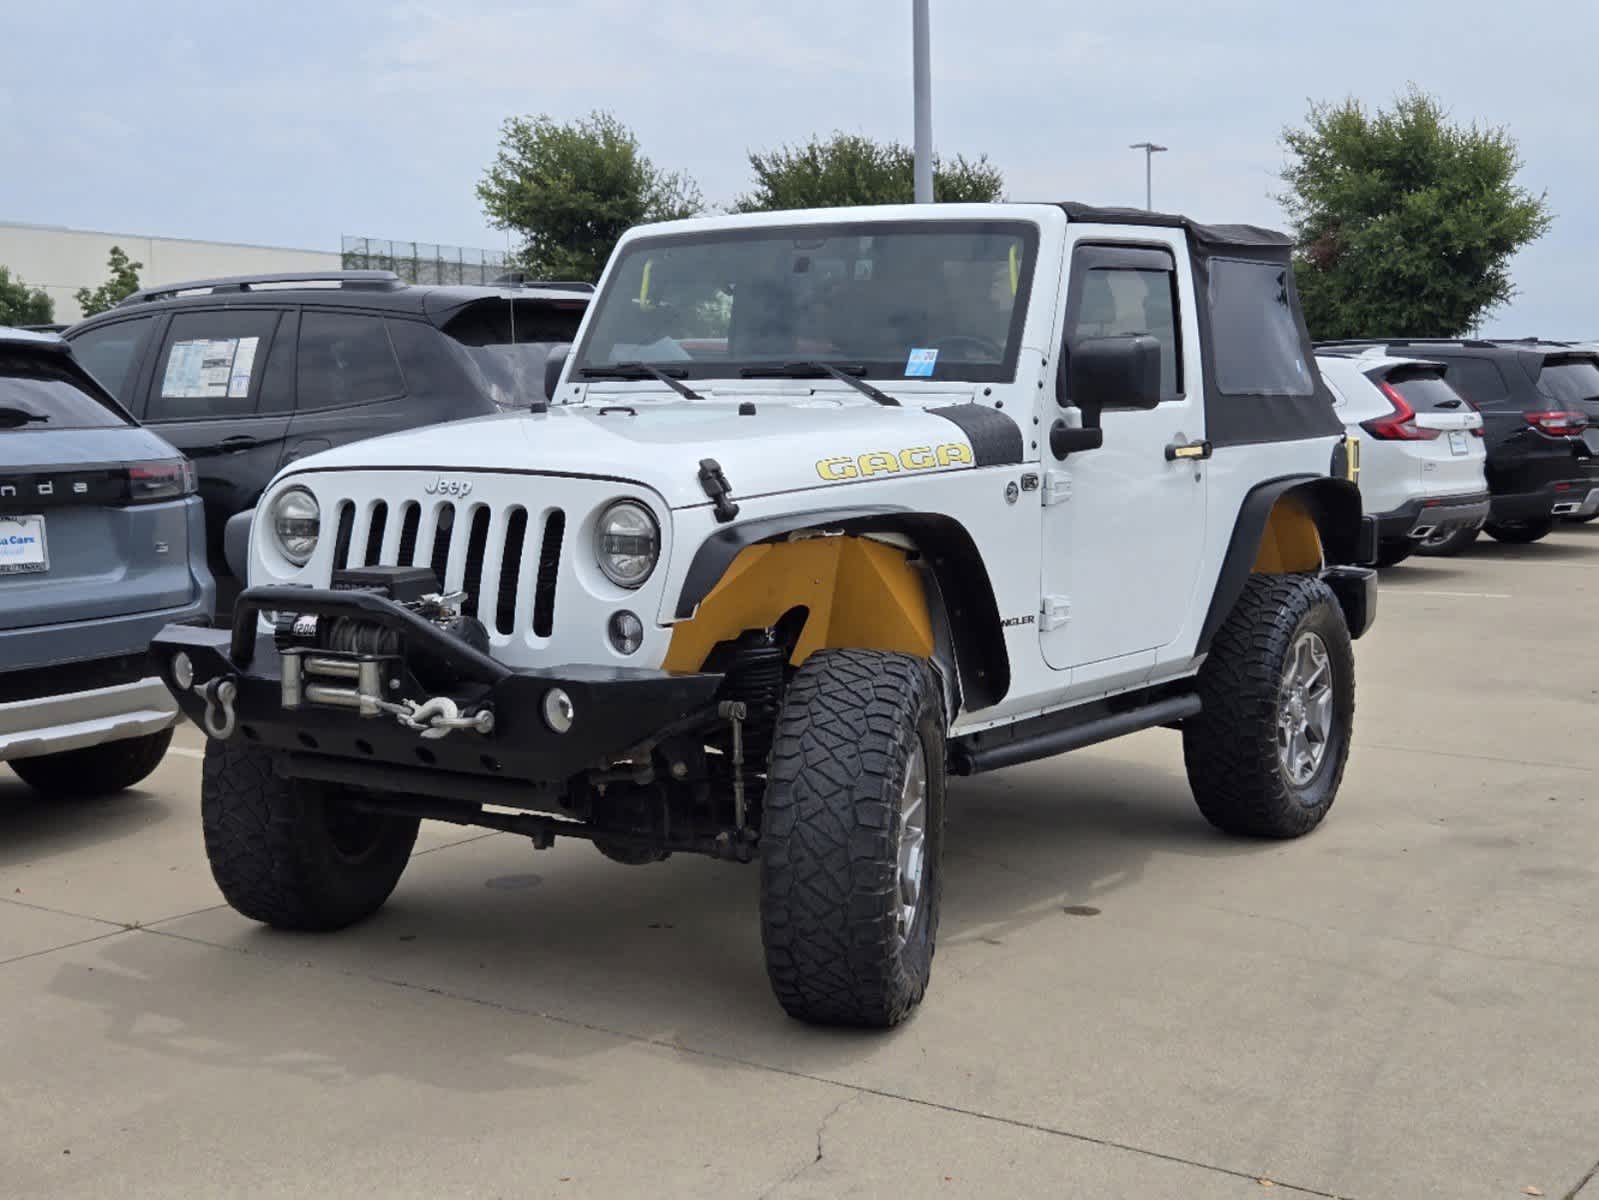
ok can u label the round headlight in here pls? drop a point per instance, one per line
(627, 543)
(296, 523)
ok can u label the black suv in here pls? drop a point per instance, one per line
(246, 373)
(1540, 411)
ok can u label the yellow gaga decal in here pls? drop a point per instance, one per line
(885, 462)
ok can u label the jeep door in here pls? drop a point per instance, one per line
(221, 392)
(1123, 525)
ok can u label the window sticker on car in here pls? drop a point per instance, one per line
(921, 363)
(205, 368)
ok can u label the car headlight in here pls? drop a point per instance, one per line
(296, 523)
(627, 543)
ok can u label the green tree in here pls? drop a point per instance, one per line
(850, 169)
(572, 190)
(22, 305)
(123, 281)
(1405, 222)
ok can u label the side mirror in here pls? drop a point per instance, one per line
(1113, 372)
(554, 364)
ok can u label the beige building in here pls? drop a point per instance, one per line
(62, 260)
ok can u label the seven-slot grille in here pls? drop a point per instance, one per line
(504, 558)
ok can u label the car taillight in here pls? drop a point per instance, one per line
(1557, 423)
(1399, 425)
(164, 480)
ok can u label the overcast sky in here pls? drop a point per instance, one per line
(292, 122)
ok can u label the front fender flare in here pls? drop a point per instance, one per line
(967, 594)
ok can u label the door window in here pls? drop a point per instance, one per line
(1127, 291)
(211, 365)
(345, 358)
(111, 351)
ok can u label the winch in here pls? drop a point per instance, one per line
(351, 663)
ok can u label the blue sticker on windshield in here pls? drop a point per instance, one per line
(921, 363)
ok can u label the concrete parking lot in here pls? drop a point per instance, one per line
(1124, 1003)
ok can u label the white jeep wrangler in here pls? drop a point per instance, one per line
(829, 506)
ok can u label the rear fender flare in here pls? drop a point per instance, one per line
(1332, 504)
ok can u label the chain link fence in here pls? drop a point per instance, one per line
(423, 262)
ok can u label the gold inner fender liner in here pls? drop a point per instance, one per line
(1290, 542)
(859, 594)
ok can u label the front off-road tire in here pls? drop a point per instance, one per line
(291, 853)
(95, 770)
(1281, 664)
(851, 838)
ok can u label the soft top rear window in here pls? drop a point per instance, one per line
(1570, 380)
(44, 392)
(1259, 350)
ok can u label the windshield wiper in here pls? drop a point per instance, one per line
(641, 370)
(13, 418)
(810, 370)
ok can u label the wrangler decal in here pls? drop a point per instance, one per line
(883, 462)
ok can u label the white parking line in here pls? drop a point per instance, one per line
(1455, 595)
(185, 752)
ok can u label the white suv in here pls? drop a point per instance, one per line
(1421, 448)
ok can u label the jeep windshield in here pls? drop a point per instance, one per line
(882, 300)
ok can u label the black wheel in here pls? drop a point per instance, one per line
(851, 837)
(1447, 545)
(1391, 554)
(291, 853)
(95, 770)
(1519, 533)
(1266, 753)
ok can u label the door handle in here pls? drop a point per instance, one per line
(1187, 450)
(237, 443)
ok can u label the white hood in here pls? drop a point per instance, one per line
(788, 443)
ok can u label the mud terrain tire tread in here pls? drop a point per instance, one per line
(271, 851)
(829, 848)
(1230, 748)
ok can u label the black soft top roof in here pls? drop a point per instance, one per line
(1207, 240)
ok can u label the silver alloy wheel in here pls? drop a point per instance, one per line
(1305, 709)
(912, 841)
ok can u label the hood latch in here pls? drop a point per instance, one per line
(718, 489)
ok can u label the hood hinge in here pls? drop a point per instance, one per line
(1057, 487)
(717, 489)
(1054, 612)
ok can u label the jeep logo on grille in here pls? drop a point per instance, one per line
(443, 486)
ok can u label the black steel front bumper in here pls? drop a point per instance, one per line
(613, 711)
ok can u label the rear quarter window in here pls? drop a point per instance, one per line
(39, 393)
(1258, 349)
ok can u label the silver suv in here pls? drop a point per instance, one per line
(102, 543)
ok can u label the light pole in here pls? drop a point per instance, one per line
(1150, 149)
(923, 84)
